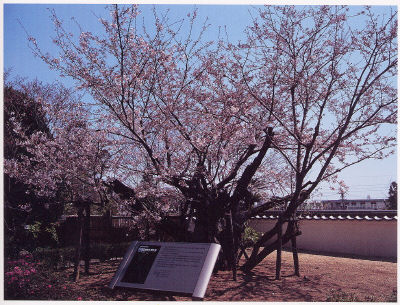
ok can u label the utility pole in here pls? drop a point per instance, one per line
(342, 198)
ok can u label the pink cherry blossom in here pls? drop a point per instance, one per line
(199, 124)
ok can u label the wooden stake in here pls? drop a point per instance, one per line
(232, 248)
(243, 252)
(78, 245)
(279, 252)
(86, 238)
(295, 256)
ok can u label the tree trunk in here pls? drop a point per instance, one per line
(78, 245)
(86, 239)
(256, 257)
(261, 242)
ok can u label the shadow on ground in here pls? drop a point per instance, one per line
(321, 278)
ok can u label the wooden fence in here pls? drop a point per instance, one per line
(114, 229)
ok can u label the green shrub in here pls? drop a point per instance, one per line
(250, 236)
(43, 234)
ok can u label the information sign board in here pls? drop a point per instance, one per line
(167, 266)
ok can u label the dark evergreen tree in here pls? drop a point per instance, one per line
(393, 196)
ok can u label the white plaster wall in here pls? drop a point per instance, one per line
(358, 237)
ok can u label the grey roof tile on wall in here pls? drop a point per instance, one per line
(361, 215)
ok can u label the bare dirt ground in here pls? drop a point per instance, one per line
(323, 278)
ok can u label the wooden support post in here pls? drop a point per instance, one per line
(242, 252)
(279, 252)
(232, 246)
(295, 230)
(234, 267)
(78, 245)
(295, 256)
(109, 225)
(86, 238)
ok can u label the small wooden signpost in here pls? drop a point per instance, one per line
(167, 266)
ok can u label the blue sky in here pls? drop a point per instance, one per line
(35, 19)
(367, 178)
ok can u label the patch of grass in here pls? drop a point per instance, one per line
(341, 296)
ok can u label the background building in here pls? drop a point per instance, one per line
(355, 204)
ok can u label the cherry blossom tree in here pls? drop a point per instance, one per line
(327, 78)
(170, 118)
(203, 126)
(67, 161)
(21, 208)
